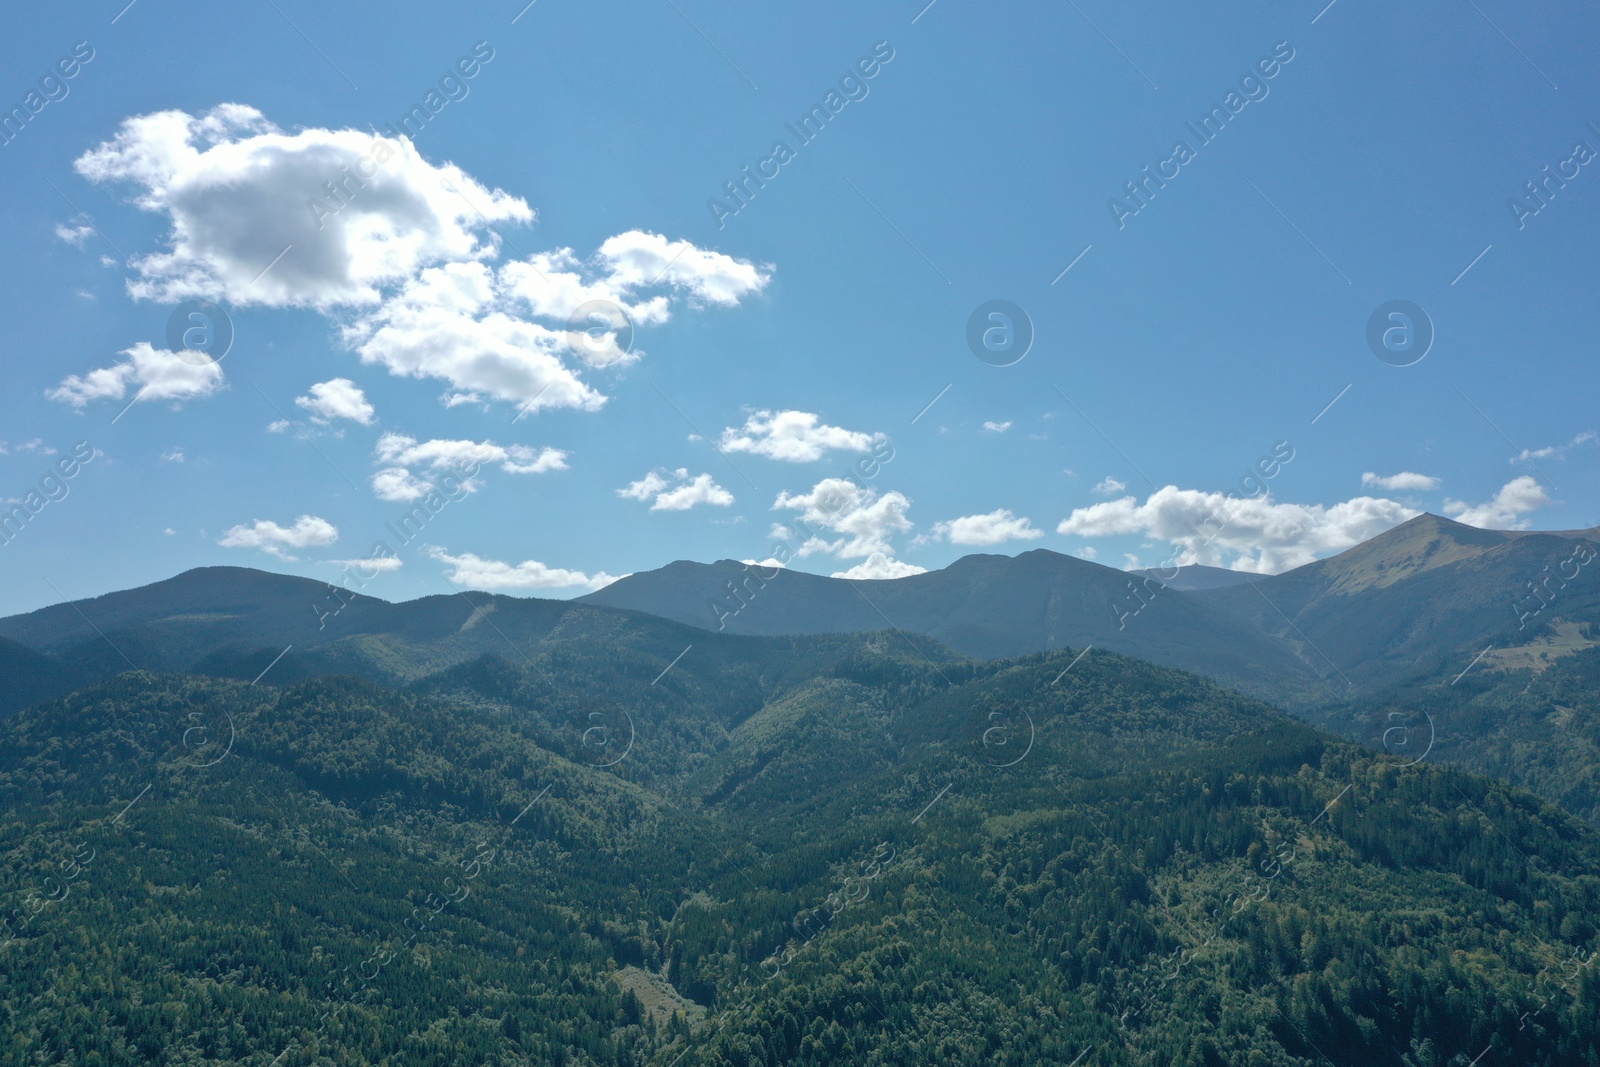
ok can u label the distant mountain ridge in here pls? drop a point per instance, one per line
(1420, 599)
(1406, 602)
(1420, 623)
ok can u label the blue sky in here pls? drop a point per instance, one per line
(803, 333)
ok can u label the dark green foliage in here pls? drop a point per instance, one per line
(808, 851)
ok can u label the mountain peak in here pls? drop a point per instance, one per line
(1416, 545)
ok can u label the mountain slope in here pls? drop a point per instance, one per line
(1420, 600)
(336, 872)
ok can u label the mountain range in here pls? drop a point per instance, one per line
(1430, 607)
(975, 816)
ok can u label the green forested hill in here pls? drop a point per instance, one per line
(828, 850)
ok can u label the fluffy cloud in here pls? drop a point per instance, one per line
(879, 566)
(339, 398)
(1516, 498)
(491, 574)
(636, 259)
(153, 374)
(397, 483)
(237, 191)
(676, 490)
(997, 427)
(452, 323)
(1109, 486)
(342, 220)
(864, 519)
(1257, 535)
(794, 436)
(308, 531)
(1399, 482)
(992, 528)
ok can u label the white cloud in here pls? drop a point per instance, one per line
(1528, 455)
(405, 243)
(491, 574)
(338, 398)
(398, 485)
(279, 426)
(991, 528)
(864, 519)
(997, 427)
(698, 490)
(173, 455)
(439, 454)
(371, 563)
(794, 436)
(645, 487)
(879, 566)
(685, 491)
(1109, 486)
(73, 232)
(1504, 512)
(636, 259)
(308, 531)
(238, 191)
(1400, 482)
(1257, 535)
(152, 373)
(1088, 552)
(453, 459)
(452, 323)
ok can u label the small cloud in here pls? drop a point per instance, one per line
(308, 531)
(372, 563)
(992, 528)
(794, 437)
(153, 374)
(1109, 486)
(475, 572)
(1504, 512)
(1528, 455)
(75, 231)
(337, 398)
(398, 485)
(684, 492)
(878, 567)
(997, 427)
(170, 532)
(1088, 552)
(456, 459)
(1402, 481)
(281, 426)
(173, 455)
